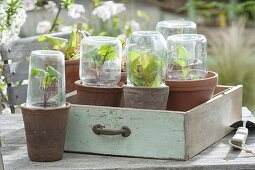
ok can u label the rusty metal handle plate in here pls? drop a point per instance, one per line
(99, 130)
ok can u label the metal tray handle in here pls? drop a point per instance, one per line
(99, 130)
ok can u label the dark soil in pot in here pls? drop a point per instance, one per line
(99, 95)
(72, 74)
(45, 132)
(187, 94)
(146, 98)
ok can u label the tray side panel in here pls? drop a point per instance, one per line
(154, 134)
(210, 121)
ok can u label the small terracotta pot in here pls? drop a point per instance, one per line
(72, 74)
(187, 94)
(98, 96)
(45, 132)
(145, 97)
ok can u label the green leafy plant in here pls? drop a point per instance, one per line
(100, 56)
(225, 12)
(145, 69)
(48, 80)
(182, 61)
(69, 47)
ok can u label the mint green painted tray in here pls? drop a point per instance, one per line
(154, 133)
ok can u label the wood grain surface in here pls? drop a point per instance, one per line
(216, 157)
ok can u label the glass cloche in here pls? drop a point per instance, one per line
(46, 81)
(187, 57)
(146, 59)
(100, 61)
(172, 27)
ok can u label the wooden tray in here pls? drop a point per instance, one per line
(154, 133)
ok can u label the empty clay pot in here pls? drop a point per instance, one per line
(45, 132)
(145, 97)
(187, 94)
(98, 95)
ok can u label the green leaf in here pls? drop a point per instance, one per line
(182, 53)
(47, 81)
(52, 72)
(36, 72)
(56, 41)
(180, 62)
(185, 72)
(145, 69)
(108, 52)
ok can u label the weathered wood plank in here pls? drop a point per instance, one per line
(151, 132)
(17, 95)
(213, 117)
(209, 122)
(19, 50)
(1, 159)
(17, 71)
(217, 157)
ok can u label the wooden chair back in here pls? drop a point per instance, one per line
(15, 55)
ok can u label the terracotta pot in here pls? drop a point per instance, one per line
(98, 96)
(72, 74)
(45, 132)
(123, 78)
(187, 94)
(145, 97)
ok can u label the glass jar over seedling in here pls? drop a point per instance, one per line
(173, 27)
(100, 61)
(46, 82)
(187, 57)
(146, 59)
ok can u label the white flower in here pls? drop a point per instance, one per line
(115, 8)
(43, 27)
(11, 31)
(108, 10)
(51, 7)
(29, 4)
(102, 12)
(65, 28)
(135, 26)
(76, 10)
(6, 111)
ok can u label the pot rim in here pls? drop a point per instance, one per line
(192, 85)
(144, 88)
(104, 89)
(24, 106)
(72, 61)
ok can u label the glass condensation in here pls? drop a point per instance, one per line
(173, 27)
(46, 81)
(187, 57)
(100, 61)
(146, 59)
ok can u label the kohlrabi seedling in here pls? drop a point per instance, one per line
(182, 61)
(145, 69)
(48, 81)
(100, 56)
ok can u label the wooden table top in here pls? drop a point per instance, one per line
(218, 156)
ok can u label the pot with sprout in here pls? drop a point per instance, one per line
(45, 112)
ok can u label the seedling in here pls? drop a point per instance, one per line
(145, 69)
(182, 61)
(48, 82)
(100, 56)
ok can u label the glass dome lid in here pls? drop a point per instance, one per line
(172, 27)
(46, 81)
(146, 59)
(100, 61)
(187, 57)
